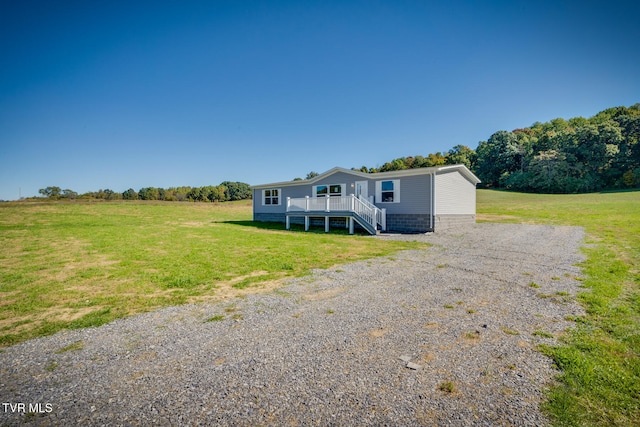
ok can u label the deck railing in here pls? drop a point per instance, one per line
(380, 214)
(358, 205)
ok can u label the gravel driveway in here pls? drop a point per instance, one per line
(440, 336)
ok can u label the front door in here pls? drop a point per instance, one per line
(362, 189)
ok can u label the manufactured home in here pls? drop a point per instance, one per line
(406, 201)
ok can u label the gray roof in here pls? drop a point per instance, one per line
(378, 175)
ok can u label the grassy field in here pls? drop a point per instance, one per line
(73, 264)
(600, 361)
(78, 264)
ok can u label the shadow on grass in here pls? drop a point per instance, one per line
(279, 226)
(256, 224)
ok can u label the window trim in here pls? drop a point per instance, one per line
(278, 196)
(396, 190)
(342, 190)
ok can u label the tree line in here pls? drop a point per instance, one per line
(460, 154)
(561, 156)
(224, 192)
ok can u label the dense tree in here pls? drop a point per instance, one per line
(130, 194)
(575, 155)
(560, 156)
(461, 154)
(226, 191)
(236, 190)
(215, 193)
(69, 194)
(197, 194)
(548, 172)
(394, 165)
(149, 193)
(51, 192)
(498, 157)
(411, 162)
(110, 194)
(209, 193)
(311, 175)
(177, 193)
(435, 159)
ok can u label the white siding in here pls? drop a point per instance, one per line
(454, 194)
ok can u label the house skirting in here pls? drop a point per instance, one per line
(269, 217)
(402, 223)
(421, 223)
(409, 223)
(314, 221)
(318, 221)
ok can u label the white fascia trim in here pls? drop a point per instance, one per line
(375, 176)
(314, 179)
(463, 170)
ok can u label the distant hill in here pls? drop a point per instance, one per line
(561, 156)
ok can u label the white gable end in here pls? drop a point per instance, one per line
(455, 195)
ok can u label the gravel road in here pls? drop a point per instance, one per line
(445, 335)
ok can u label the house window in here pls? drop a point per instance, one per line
(388, 191)
(271, 196)
(331, 190)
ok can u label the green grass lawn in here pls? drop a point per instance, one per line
(600, 361)
(78, 264)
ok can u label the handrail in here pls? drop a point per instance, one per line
(367, 202)
(358, 205)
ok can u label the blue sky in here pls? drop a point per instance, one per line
(97, 95)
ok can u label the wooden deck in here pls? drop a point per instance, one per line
(353, 208)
